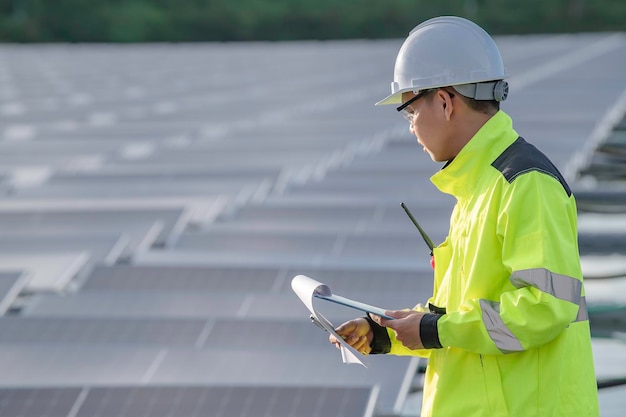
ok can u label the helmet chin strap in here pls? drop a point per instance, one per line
(491, 90)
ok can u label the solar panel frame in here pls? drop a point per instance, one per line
(11, 284)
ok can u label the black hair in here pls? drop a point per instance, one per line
(482, 106)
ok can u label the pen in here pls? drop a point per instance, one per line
(317, 322)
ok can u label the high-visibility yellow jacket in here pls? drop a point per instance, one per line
(508, 334)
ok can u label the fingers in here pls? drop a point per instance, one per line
(400, 314)
(358, 342)
(346, 328)
(345, 331)
(357, 333)
(377, 319)
(381, 321)
(396, 314)
(406, 325)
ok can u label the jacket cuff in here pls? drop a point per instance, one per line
(429, 334)
(380, 343)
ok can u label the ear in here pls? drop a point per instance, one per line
(446, 103)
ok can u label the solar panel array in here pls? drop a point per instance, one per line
(185, 400)
(158, 199)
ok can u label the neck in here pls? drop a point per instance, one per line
(465, 129)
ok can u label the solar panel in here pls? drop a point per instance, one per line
(265, 140)
(132, 304)
(225, 159)
(290, 367)
(46, 271)
(134, 222)
(283, 243)
(400, 186)
(127, 331)
(597, 243)
(218, 400)
(389, 245)
(612, 401)
(181, 278)
(226, 401)
(34, 365)
(379, 281)
(63, 146)
(368, 217)
(37, 402)
(253, 259)
(265, 334)
(377, 176)
(316, 242)
(183, 173)
(608, 354)
(288, 306)
(101, 247)
(128, 188)
(274, 306)
(436, 229)
(16, 160)
(306, 213)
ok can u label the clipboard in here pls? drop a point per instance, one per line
(357, 305)
(307, 289)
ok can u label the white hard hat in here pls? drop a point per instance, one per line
(449, 51)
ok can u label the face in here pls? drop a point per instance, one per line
(429, 123)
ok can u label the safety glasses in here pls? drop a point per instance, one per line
(409, 115)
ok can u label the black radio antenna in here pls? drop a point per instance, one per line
(429, 242)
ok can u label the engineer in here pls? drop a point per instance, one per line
(506, 331)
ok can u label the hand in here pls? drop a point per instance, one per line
(406, 325)
(357, 333)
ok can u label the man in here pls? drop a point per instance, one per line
(506, 330)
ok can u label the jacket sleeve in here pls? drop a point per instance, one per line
(537, 238)
(385, 340)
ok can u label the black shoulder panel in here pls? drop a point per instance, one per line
(522, 157)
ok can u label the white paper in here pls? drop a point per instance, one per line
(306, 288)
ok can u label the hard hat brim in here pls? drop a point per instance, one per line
(395, 98)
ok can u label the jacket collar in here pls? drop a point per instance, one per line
(459, 176)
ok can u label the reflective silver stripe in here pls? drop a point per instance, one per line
(499, 333)
(560, 286)
(504, 339)
(583, 314)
